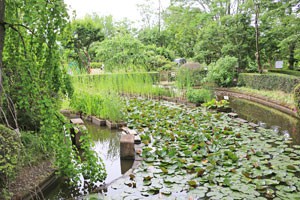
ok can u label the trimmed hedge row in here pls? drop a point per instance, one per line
(285, 71)
(297, 99)
(269, 81)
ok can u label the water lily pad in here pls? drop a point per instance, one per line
(192, 183)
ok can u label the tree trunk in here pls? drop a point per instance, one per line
(292, 59)
(257, 54)
(159, 22)
(2, 35)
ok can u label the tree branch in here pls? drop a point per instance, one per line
(20, 35)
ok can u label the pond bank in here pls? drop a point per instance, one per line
(32, 180)
(258, 99)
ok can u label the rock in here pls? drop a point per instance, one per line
(233, 115)
(76, 121)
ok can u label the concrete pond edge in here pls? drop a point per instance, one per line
(257, 99)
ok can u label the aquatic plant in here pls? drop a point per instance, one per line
(196, 153)
(198, 96)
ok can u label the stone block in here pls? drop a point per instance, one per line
(129, 131)
(127, 147)
(233, 115)
(111, 125)
(242, 121)
(76, 121)
(99, 122)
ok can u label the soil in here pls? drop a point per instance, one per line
(29, 179)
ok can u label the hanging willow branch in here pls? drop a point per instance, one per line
(20, 35)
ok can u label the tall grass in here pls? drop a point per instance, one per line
(138, 84)
(99, 95)
(103, 105)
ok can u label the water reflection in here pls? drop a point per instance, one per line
(268, 118)
(107, 146)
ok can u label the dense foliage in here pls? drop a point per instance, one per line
(34, 82)
(9, 154)
(223, 71)
(269, 81)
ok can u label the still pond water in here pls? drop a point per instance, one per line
(266, 117)
(107, 145)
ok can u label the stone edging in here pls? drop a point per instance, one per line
(42, 187)
(257, 99)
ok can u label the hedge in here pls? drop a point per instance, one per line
(285, 71)
(269, 81)
(297, 99)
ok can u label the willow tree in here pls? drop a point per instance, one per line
(34, 81)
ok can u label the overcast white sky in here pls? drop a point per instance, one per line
(119, 9)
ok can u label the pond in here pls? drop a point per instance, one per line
(195, 153)
(267, 117)
(107, 145)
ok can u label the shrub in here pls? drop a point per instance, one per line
(9, 150)
(223, 71)
(199, 96)
(269, 81)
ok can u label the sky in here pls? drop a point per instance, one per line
(119, 9)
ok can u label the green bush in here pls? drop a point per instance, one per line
(223, 71)
(9, 152)
(285, 71)
(199, 96)
(269, 81)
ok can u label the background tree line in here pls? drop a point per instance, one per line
(200, 30)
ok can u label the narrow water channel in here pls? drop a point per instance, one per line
(107, 146)
(266, 117)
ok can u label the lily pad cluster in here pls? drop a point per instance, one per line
(196, 153)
